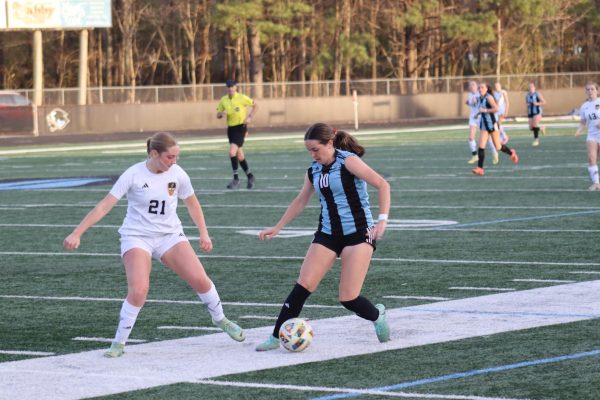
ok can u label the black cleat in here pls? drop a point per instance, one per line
(250, 181)
(234, 184)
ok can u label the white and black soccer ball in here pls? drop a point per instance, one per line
(295, 334)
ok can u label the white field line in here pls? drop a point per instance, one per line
(329, 389)
(26, 353)
(254, 138)
(189, 328)
(295, 190)
(257, 317)
(488, 289)
(192, 302)
(416, 298)
(383, 259)
(89, 374)
(104, 340)
(585, 272)
(390, 228)
(543, 280)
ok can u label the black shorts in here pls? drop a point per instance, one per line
(337, 243)
(236, 134)
(531, 115)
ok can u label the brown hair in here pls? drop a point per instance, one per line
(341, 139)
(161, 142)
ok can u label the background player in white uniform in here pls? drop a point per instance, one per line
(152, 229)
(501, 97)
(590, 119)
(474, 120)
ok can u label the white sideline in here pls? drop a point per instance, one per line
(329, 389)
(167, 362)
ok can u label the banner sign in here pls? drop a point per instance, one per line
(56, 14)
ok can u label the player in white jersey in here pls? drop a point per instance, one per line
(152, 229)
(474, 121)
(501, 97)
(590, 119)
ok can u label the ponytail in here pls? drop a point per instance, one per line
(342, 140)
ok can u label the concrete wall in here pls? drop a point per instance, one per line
(110, 118)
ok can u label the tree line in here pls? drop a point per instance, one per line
(159, 42)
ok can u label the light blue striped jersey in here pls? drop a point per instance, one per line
(343, 197)
(530, 99)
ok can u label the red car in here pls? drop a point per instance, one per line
(16, 112)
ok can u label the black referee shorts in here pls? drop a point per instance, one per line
(236, 134)
(337, 243)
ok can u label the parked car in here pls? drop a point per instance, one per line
(16, 112)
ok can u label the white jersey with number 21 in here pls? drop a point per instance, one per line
(152, 199)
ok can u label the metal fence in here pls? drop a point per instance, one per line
(191, 93)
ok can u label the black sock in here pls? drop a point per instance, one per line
(234, 166)
(481, 155)
(362, 307)
(292, 306)
(536, 132)
(506, 150)
(244, 166)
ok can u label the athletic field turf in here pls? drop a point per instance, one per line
(490, 282)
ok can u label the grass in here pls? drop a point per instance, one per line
(550, 225)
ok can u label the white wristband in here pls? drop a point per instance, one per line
(383, 217)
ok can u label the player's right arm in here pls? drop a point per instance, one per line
(582, 124)
(103, 207)
(294, 209)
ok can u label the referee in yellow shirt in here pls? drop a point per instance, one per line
(235, 106)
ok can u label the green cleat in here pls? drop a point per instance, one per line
(116, 350)
(382, 329)
(233, 330)
(271, 343)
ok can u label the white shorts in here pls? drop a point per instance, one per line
(593, 138)
(156, 246)
(474, 120)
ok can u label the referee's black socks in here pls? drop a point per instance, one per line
(291, 307)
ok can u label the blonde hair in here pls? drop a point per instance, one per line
(161, 142)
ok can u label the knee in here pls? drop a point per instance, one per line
(348, 295)
(137, 295)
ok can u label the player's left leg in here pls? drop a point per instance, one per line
(355, 264)
(182, 260)
(592, 151)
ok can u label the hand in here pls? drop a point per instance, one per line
(248, 119)
(205, 244)
(268, 233)
(220, 115)
(481, 110)
(378, 230)
(71, 242)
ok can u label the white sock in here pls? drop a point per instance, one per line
(593, 170)
(127, 319)
(473, 146)
(213, 303)
(492, 147)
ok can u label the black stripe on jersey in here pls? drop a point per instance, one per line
(334, 215)
(310, 174)
(353, 197)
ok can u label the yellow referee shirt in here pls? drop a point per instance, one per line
(235, 107)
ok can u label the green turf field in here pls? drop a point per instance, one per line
(519, 227)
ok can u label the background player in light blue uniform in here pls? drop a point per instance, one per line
(346, 227)
(534, 101)
(489, 128)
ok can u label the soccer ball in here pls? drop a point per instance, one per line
(295, 334)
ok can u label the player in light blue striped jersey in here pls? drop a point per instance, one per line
(346, 226)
